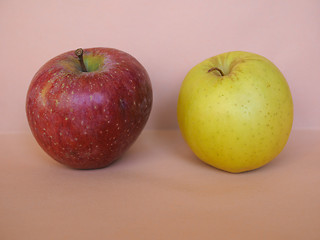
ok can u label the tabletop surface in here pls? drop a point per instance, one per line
(159, 190)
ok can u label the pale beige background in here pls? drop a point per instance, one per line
(167, 37)
(159, 190)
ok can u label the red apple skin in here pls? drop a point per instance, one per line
(87, 120)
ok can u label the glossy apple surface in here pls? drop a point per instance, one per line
(87, 120)
(235, 111)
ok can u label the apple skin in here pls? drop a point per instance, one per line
(239, 121)
(87, 120)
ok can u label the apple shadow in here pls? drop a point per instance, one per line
(301, 145)
(174, 145)
(32, 149)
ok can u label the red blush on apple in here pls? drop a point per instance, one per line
(86, 107)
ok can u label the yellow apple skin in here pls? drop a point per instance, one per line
(239, 121)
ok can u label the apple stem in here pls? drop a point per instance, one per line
(79, 53)
(217, 69)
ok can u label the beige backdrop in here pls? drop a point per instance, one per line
(159, 190)
(167, 37)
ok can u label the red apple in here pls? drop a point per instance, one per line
(86, 107)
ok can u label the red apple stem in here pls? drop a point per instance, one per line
(79, 53)
(216, 69)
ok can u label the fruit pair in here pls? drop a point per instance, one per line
(86, 108)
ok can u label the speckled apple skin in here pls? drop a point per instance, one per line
(87, 120)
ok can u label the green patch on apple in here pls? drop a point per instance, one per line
(93, 63)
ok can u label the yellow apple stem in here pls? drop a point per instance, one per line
(216, 69)
(79, 53)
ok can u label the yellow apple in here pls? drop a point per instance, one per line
(235, 111)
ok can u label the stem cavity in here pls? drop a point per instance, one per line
(79, 53)
(216, 69)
